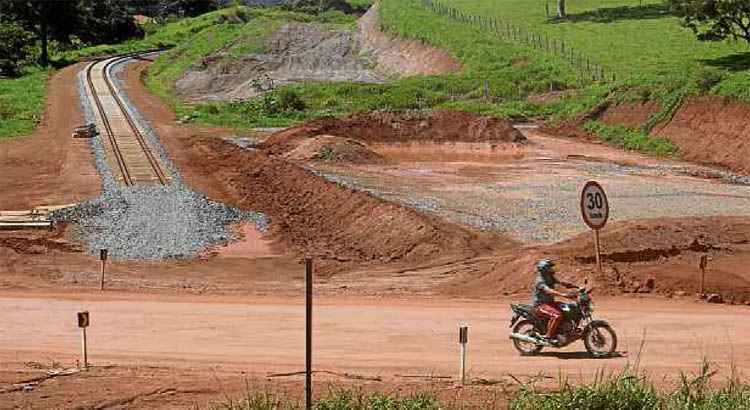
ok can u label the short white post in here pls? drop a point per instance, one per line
(84, 348)
(463, 339)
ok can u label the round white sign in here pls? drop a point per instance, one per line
(594, 205)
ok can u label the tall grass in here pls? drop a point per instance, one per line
(337, 399)
(629, 390)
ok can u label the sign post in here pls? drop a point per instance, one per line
(103, 259)
(308, 332)
(83, 323)
(463, 339)
(595, 212)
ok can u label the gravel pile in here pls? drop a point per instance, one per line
(149, 222)
(154, 222)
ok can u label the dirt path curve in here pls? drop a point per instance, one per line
(384, 337)
(49, 167)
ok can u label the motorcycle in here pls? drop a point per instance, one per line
(598, 336)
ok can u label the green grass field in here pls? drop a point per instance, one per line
(653, 57)
(637, 39)
(22, 102)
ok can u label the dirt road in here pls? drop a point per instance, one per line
(373, 337)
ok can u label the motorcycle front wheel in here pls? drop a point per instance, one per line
(526, 327)
(600, 340)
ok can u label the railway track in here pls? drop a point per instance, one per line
(127, 149)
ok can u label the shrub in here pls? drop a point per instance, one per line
(708, 78)
(631, 139)
(289, 100)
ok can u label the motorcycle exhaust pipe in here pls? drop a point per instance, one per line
(524, 338)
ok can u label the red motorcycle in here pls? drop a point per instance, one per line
(578, 324)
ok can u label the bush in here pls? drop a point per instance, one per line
(708, 78)
(14, 47)
(289, 100)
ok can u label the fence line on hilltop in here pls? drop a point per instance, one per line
(508, 31)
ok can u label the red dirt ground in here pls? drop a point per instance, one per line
(638, 256)
(336, 225)
(387, 127)
(50, 167)
(352, 235)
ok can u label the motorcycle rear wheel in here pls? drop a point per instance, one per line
(600, 340)
(526, 327)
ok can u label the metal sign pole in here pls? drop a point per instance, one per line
(308, 332)
(598, 250)
(103, 259)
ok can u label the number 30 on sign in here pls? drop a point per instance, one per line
(594, 205)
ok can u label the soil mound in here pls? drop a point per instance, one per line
(295, 52)
(396, 56)
(337, 226)
(332, 148)
(639, 257)
(438, 126)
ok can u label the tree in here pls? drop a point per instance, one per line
(106, 22)
(14, 46)
(93, 21)
(714, 20)
(47, 19)
(561, 14)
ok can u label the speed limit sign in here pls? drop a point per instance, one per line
(594, 205)
(595, 212)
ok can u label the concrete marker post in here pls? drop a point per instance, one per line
(463, 339)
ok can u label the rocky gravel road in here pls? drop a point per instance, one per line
(536, 198)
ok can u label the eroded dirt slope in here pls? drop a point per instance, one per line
(708, 130)
(293, 53)
(396, 56)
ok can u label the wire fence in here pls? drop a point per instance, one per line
(585, 66)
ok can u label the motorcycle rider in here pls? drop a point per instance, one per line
(544, 294)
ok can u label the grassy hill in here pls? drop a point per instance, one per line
(651, 55)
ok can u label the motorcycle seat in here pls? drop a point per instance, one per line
(522, 309)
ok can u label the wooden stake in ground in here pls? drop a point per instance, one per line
(702, 264)
(103, 259)
(83, 323)
(308, 332)
(595, 212)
